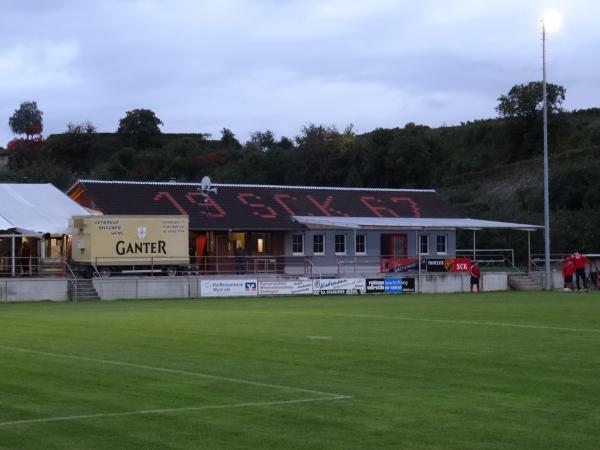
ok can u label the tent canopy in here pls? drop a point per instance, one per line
(408, 223)
(36, 208)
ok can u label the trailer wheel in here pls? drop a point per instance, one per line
(104, 272)
(171, 271)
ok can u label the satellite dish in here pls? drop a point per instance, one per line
(205, 183)
(206, 187)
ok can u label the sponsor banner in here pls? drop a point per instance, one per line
(285, 287)
(228, 288)
(390, 285)
(458, 265)
(399, 264)
(339, 286)
(399, 285)
(449, 265)
(375, 285)
(436, 265)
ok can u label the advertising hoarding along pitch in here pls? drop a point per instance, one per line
(285, 287)
(390, 285)
(229, 288)
(339, 286)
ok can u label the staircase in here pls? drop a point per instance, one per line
(82, 290)
(51, 267)
(524, 282)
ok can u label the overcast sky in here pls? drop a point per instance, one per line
(279, 64)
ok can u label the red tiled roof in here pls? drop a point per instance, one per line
(255, 207)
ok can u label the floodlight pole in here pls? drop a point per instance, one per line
(547, 278)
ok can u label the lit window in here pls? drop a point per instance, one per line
(319, 244)
(298, 244)
(361, 244)
(340, 244)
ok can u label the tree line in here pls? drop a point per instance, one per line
(463, 161)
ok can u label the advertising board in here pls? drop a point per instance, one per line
(390, 285)
(229, 288)
(339, 286)
(130, 240)
(398, 264)
(285, 287)
(449, 265)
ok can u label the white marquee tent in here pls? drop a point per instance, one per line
(34, 210)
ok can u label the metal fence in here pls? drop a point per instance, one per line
(489, 259)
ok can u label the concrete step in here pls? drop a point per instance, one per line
(83, 290)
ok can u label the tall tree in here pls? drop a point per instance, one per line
(139, 127)
(27, 120)
(525, 101)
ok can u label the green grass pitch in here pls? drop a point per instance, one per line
(489, 371)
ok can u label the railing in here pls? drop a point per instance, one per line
(31, 267)
(73, 286)
(491, 258)
(538, 260)
(361, 264)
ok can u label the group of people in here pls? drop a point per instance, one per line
(574, 266)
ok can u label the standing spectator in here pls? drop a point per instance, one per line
(594, 275)
(239, 259)
(579, 262)
(25, 255)
(475, 274)
(568, 270)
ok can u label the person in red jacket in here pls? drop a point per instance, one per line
(475, 275)
(579, 262)
(568, 270)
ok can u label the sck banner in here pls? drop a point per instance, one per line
(449, 265)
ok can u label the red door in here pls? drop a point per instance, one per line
(394, 252)
(396, 245)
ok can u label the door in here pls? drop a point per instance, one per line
(394, 245)
(394, 253)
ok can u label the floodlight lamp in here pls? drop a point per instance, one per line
(551, 21)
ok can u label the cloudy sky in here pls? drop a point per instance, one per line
(278, 64)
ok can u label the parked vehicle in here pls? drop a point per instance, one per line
(103, 245)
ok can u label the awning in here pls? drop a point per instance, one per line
(409, 223)
(36, 208)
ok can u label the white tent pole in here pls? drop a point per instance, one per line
(13, 271)
(474, 248)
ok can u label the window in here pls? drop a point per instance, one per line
(340, 244)
(319, 244)
(441, 244)
(423, 244)
(360, 247)
(298, 244)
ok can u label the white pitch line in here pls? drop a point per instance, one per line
(419, 319)
(169, 410)
(466, 322)
(167, 370)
